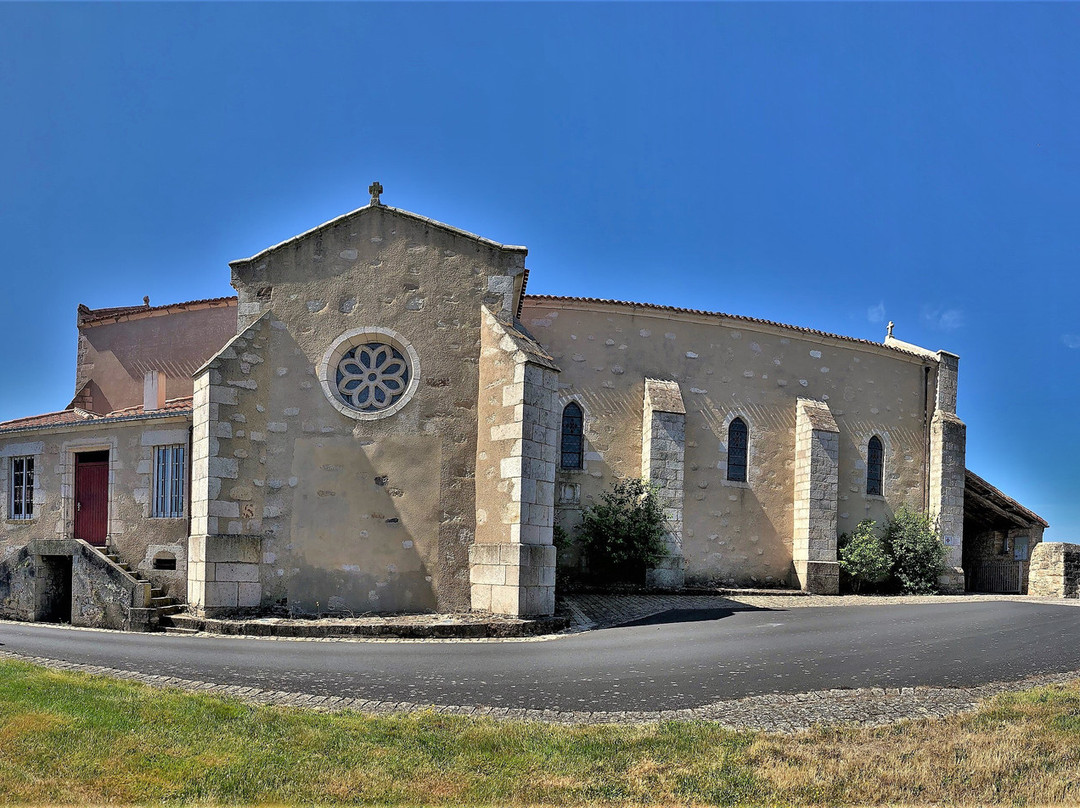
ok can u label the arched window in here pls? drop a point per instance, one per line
(572, 444)
(875, 466)
(736, 450)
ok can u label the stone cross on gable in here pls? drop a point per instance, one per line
(890, 329)
(375, 189)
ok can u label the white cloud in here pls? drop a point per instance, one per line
(943, 319)
(876, 314)
(1071, 340)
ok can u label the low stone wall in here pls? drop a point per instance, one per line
(1055, 570)
(38, 583)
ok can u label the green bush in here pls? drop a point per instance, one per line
(917, 551)
(864, 558)
(623, 535)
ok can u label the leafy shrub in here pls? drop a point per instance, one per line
(560, 538)
(623, 535)
(917, 551)
(864, 558)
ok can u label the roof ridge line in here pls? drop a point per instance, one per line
(739, 317)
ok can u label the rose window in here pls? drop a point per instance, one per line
(372, 376)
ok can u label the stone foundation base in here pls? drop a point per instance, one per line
(951, 582)
(223, 574)
(667, 574)
(513, 579)
(819, 577)
(42, 581)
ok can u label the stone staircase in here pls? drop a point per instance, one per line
(164, 605)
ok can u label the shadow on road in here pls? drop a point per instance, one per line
(690, 616)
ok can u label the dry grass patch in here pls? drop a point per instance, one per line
(1021, 749)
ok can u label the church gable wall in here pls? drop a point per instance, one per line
(348, 514)
(734, 532)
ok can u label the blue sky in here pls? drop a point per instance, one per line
(829, 165)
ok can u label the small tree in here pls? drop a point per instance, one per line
(917, 552)
(864, 558)
(623, 535)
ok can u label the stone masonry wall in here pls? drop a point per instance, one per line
(378, 514)
(817, 449)
(1055, 570)
(663, 447)
(734, 533)
(948, 441)
(512, 563)
(228, 454)
(133, 532)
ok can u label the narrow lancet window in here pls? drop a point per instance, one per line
(571, 447)
(875, 463)
(736, 452)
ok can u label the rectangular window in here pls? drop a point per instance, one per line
(170, 479)
(22, 488)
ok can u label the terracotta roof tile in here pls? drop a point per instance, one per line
(175, 406)
(47, 419)
(88, 316)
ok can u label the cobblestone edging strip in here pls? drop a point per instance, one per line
(865, 707)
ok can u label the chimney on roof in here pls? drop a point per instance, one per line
(153, 390)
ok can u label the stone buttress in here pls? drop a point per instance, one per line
(663, 447)
(225, 547)
(948, 438)
(512, 562)
(817, 452)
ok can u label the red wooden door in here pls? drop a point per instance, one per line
(92, 501)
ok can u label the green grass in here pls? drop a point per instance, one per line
(72, 738)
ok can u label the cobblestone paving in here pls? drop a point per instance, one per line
(868, 707)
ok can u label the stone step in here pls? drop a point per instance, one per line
(179, 621)
(172, 608)
(175, 630)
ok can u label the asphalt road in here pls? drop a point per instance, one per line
(672, 661)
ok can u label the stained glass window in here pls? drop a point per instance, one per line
(875, 462)
(572, 441)
(737, 450)
(371, 377)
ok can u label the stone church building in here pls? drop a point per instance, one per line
(383, 420)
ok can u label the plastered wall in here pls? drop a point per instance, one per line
(114, 356)
(136, 535)
(734, 533)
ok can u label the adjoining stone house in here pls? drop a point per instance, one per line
(383, 420)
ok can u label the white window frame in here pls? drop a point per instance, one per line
(26, 490)
(169, 494)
